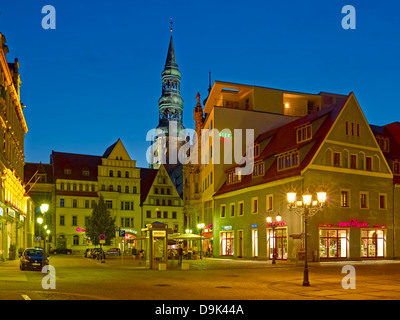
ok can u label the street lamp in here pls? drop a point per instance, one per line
(273, 225)
(201, 227)
(44, 208)
(306, 208)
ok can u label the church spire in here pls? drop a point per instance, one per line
(170, 105)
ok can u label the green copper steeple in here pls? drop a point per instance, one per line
(170, 105)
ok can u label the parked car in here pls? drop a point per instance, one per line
(33, 258)
(62, 251)
(114, 252)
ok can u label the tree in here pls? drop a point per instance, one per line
(100, 222)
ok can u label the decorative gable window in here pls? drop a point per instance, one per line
(304, 133)
(288, 160)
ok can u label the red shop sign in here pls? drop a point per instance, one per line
(353, 223)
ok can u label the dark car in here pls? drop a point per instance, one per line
(32, 258)
(62, 251)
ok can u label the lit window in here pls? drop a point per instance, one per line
(344, 199)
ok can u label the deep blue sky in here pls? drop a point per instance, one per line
(97, 77)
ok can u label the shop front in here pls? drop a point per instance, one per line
(277, 241)
(365, 241)
(227, 241)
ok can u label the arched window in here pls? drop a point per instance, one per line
(111, 173)
(126, 174)
(134, 190)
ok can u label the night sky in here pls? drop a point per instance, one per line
(97, 76)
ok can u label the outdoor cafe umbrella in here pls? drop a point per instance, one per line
(187, 236)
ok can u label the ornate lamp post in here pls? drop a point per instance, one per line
(274, 224)
(306, 208)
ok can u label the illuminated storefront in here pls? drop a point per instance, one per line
(277, 241)
(227, 242)
(373, 243)
(333, 243)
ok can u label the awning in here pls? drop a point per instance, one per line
(187, 236)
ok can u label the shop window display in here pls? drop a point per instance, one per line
(227, 243)
(333, 243)
(373, 243)
(280, 242)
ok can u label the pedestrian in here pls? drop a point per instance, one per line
(180, 255)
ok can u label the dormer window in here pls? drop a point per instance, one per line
(288, 160)
(383, 143)
(254, 151)
(396, 167)
(67, 171)
(233, 177)
(85, 173)
(258, 169)
(304, 133)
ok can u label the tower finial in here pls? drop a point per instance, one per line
(171, 22)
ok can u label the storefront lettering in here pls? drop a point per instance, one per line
(276, 223)
(353, 223)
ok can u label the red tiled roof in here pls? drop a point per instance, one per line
(283, 139)
(391, 131)
(30, 169)
(147, 177)
(77, 163)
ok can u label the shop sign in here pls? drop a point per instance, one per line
(353, 223)
(158, 233)
(326, 225)
(80, 230)
(277, 224)
(225, 228)
(254, 225)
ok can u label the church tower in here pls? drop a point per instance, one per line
(170, 110)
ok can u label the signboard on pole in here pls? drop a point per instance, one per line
(102, 238)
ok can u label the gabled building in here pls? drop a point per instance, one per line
(72, 184)
(81, 179)
(332, 148)
(160, 201)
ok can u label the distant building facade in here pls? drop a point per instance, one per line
(78, 182)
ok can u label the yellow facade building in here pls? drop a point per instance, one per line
(15, 208)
